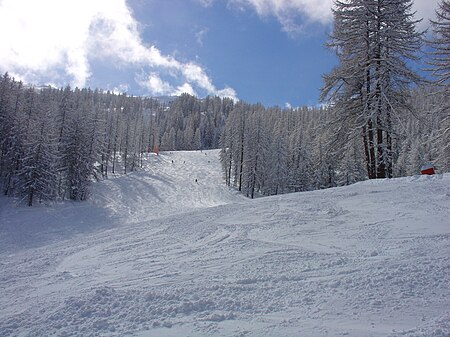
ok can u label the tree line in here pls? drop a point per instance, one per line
(55, 142)
(269, 151)
(381, 119)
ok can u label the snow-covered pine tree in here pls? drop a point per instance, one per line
(440, 63)
(277, 158)
(77, 153)
(299, 157)
(373, 40)
(226, 144)
(11, 132)
(37, 171)
(256, 145)
(237, 129)
(441, 44)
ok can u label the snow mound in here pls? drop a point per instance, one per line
(157, 253)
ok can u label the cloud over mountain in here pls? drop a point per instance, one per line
(56, 42)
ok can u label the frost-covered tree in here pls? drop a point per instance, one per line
(272, 151)
(12, 131)
(277, 161)
(238, 129)
(37, 170)
(440, 63)
(255, 165)
(373, 40)
(441, 44)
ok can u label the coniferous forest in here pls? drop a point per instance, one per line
(380, 119)
(56, 142)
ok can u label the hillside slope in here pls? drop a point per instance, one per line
(156, 253)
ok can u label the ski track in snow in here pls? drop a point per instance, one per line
(156, 253)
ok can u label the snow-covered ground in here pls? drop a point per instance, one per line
(156, 253)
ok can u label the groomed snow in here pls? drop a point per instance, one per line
(156, 253)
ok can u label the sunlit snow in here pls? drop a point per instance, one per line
(171, 251)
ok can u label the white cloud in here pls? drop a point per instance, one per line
(228, 92)
(121, 88)
(195, 73)
(157, 86)
(293, 15)
(56, 40)
(36, 38)
(186, 88)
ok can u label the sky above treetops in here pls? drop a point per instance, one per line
(267, 51)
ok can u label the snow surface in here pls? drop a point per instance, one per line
(155, 253)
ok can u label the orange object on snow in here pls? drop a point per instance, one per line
(427, 169)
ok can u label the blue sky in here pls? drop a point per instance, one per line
(268, 51)
(253, 55)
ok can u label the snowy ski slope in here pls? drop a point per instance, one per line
(157, 253)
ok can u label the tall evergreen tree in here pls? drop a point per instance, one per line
(441, 70)
(373, 40)
(37, 173)
(12, 132)
(441, 44)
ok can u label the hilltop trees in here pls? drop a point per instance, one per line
(372, 39)
(272, 151)
(193, 124)
(269, 151)
(55, 142)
